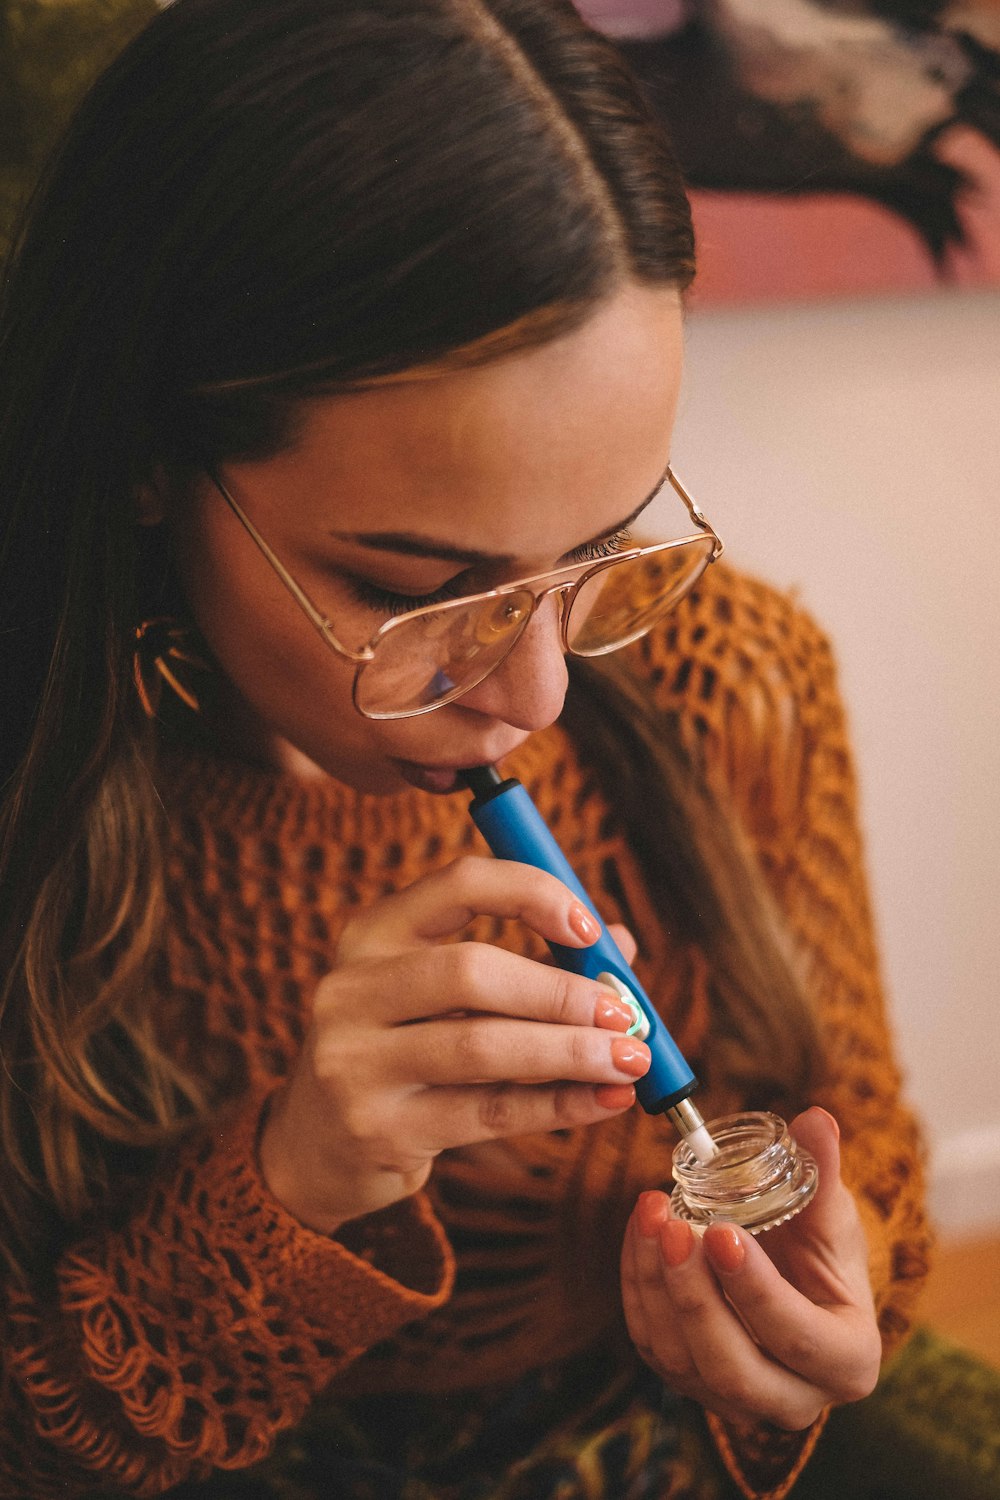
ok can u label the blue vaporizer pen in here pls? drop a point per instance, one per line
(514, 829)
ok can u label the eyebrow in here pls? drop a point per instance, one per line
(408, 543)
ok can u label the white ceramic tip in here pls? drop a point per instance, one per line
(702, 1145)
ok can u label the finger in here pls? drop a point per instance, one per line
(835, 1349)
(625, 940)
(496, 1049)
(818, 1133)
(728, 1360)
(836, 1268)
(427, 984)
(441, 904)
(444, 1118)
(648, 1310)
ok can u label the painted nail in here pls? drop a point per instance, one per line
(630, 1056)
(583, 923)
(724, 1248)
(676, 1240)
(652, 1212)
(610, 1013)
(615, 1095)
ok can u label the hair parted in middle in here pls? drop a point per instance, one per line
(256, 204)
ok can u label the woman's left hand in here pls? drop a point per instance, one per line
(774, 1329)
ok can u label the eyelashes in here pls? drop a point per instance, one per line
(382, 602)
(385, 602)
(591, 551)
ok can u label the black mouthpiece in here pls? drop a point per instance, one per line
(481, 780)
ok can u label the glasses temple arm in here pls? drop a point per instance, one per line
(302, 599)
(696, 513)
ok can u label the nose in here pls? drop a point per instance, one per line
(528, 688)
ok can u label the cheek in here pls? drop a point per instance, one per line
(259, 636)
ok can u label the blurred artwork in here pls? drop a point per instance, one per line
(832, 146)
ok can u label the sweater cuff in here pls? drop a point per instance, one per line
(764, 1461)
(397, 1267)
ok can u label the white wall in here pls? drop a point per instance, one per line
(852, 450)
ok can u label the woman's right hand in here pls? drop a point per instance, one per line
(417, 1044)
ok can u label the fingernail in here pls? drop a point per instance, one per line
(652, 1211)
(615, 1095)
(724, 1248)
(826, 1112)
(630, 1056)
(610, 1013)
(583, 923)
(676, 1240)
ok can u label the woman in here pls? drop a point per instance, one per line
(326, 315)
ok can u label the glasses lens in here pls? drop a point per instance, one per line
(423, 662)
(625, 599)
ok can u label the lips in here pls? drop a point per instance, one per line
(437, 779)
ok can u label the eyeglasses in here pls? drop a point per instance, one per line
(420, 660)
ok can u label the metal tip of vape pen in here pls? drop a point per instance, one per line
(689, 1124)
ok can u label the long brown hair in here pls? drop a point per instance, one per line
(256, 203)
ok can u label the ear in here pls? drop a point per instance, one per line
(151, 499)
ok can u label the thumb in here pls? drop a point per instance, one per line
(816, 1131)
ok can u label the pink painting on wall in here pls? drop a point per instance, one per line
(831, 149)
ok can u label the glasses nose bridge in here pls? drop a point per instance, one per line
(563, 589)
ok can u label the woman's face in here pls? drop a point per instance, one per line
(514, 465)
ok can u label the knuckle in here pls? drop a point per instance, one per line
(566, 1001)
(857, 1382)
(571, 1104)
(468, 964)
(466, 872)
(859, 1385)
(802, 1352)
(795, 1416)
(687, 1300)
(562, 998)
(472, 1049)
(497, 1111)
(564, 1107)
(357, 936)
(648, 1278)
(583, 1056)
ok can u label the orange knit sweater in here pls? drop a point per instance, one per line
(185, 1338)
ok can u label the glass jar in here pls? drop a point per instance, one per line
(759, 1179)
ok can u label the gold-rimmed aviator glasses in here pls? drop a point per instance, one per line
(422, 659)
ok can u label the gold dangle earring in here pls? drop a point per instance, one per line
(166, 651)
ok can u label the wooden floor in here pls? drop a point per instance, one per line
(962, 1298)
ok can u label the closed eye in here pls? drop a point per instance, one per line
(386, 602)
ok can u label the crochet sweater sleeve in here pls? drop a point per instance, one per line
(773, 736)
(188, 1338)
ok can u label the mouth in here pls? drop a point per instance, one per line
(437, 779)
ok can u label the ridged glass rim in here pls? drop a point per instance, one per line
(784, 1176)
